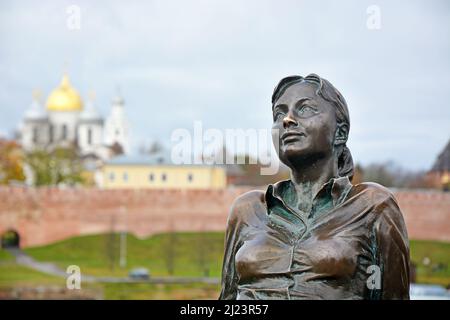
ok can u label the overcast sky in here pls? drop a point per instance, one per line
(218, 61)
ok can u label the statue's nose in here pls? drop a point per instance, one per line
(289, 121)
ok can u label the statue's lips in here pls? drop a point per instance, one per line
(291, 135)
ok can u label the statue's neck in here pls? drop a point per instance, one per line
(309, 179)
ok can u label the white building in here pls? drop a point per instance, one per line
(66, 122)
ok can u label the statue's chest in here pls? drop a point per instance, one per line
(287, 248)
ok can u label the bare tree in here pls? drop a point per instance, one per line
(111, 244)
(204, 249)
(169, 248)
(391, 174)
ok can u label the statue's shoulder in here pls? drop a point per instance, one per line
(374, 190)
(388, 217)
(247, 206)
(380, 197)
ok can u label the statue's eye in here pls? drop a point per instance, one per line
(278, 115)
(307, 111)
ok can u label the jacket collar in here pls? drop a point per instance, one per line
(336, 188)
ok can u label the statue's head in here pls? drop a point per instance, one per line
(313, 123)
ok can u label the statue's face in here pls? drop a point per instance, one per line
(306, 124)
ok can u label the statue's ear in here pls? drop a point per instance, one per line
(341, 135)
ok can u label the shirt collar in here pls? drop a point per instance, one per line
(337, 188)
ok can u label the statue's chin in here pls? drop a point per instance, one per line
(295, 156)
(294, 149)
(292, 156)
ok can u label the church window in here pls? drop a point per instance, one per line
(190, 177)
(163, 177)
(89, 134)
(35, 134)
(64, 131)
(50, 133)
(151, 177)
(125, 176)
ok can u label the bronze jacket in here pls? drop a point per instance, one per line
(352, 244)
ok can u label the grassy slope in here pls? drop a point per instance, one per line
(438, 270)
(15, 275)
(142, 291)
(93, 254)
(5, 256)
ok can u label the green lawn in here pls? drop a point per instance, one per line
(142, 291)
(5, 256)
(178, 254)
(14, 276)
(188, 254)
(438, 268)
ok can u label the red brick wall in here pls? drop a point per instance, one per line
(45, 215)
(427, 214)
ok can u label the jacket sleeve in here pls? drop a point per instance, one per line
(393, 251)
(229, 275)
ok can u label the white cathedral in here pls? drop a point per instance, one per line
(66, 121)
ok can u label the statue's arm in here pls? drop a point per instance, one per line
(393, 251)
(229, 276)
(245, 212)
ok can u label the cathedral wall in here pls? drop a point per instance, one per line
(58, 119)
(96, 136)
(40, 128)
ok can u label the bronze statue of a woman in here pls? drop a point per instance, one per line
(316, 235)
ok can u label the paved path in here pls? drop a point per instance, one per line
(52, 269)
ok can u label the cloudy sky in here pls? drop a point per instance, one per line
(218, 61)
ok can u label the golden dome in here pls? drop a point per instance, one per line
(64, 98)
